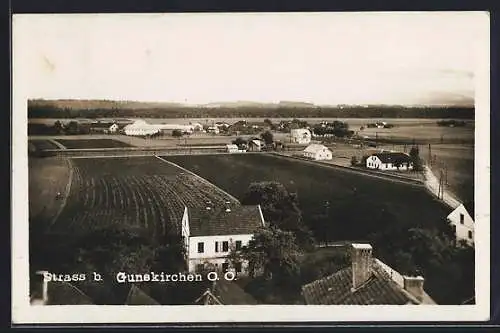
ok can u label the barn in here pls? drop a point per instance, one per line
(140, 128)
(389, 161)
(317, 152)
(210, 234)
(300, 135)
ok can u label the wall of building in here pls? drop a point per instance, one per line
(373, 162)
(209, 245)
(462, 230)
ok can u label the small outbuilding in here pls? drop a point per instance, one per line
(317, 152)
(232, 148)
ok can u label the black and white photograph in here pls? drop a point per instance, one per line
(272, 162)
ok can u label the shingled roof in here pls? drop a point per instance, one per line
(393, 157)
(220, 221)
(225, 292)
(366, 281)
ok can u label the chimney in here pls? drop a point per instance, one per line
(361, 258)
(415, 286)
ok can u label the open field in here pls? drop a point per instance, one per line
(421, 133)
(144, 192)
(47, 177)
(92, 143)
(458, 159)
(353, 199)
(41, 144)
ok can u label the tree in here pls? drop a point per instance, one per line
(280, 208)
(239, 142)
(415, 159)
(72, 128)
(267, 136)
(58, 127)
(354, 161)
(273, 252)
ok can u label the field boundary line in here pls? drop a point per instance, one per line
(66, 193)
(58, 144)
(393, 178)
(198, 177)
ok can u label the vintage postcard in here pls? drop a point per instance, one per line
(257, 167)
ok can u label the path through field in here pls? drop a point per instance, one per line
(432, 184)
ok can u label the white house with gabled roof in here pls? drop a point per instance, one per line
(211, 233)
(317, 152)
(463, 224)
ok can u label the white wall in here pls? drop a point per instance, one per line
(462, 230)
(209, 245)
(373, 162)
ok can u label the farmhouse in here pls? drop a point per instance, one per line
(223, 292)
(255, 145)
(367, 281)
(142, 128)
(300, 135)
(389, 161)
(232, 148)
(213, 130)
(462, 224)
(210, 234)
(317, 152)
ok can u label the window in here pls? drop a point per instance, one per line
(225, 267)
(199, 268)
(238, 245)
(201, 247)
(461, 218)
(470, 234)
(216, 246)
(237, 267)
(225, 246)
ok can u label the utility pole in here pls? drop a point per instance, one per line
(430, 154)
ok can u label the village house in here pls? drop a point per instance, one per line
(300, 136)
(367, 281)
(211, 233)
(255, 145)
(232, 148)
(317, 152)
(463, 224)
(389, 161)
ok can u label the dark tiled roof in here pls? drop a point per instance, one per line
(216, 221)
(336, 289)
(227, 293)
(64, 293)
(138, 297)
(389, 157)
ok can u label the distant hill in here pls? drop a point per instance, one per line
(86, 104)
(40, 108)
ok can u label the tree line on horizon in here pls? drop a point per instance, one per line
(41, 111)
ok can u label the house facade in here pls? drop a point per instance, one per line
(317, 152)
(389, 161)
(255, 145)
(232, 148)
(211, 234)
(300, 136)
(462, 224)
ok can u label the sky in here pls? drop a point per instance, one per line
(322, 58)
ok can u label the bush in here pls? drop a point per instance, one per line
(354, 161)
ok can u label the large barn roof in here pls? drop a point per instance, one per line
(220, 221)
(314, 148)
(393, 157)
